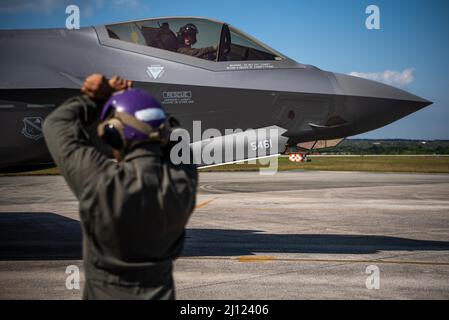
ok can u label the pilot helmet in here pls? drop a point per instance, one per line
(132, 115)
(189, 30)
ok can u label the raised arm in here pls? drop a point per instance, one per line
(67, 138)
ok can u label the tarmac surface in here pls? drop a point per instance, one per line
(293, 235)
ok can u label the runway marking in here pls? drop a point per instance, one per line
(264, 258)
(256, 258)
(204, 203)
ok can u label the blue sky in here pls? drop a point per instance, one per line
(330, 34)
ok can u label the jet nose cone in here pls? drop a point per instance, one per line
(375, 104)
(360, 87)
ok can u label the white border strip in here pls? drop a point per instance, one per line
(237, 161)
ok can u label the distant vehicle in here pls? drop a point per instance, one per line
(242, 84)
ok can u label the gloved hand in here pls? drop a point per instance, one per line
(120, 84)
(98, 87)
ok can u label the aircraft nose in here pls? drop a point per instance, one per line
(356, 86)
(375, 104)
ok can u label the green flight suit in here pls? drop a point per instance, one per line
(133, 212)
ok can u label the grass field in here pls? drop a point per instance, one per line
(422, 164)
(416, 164)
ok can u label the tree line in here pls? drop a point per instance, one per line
(389, 147)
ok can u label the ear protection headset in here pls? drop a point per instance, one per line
(112, 130)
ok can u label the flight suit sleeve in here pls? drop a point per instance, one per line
(194, 52)
(69, 144)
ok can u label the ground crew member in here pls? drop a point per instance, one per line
(134, 209)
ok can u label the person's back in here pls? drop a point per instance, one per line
(144, 202)
(141, 206)
(133, 212)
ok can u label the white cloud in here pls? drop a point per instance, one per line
(391, 77)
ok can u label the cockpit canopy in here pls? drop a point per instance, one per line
(215, 41)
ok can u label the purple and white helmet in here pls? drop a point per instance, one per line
(140, 105)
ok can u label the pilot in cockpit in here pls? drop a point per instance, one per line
(187, 38)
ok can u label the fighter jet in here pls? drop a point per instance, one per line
(231, 81)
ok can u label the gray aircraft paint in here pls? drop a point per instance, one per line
(45, 67)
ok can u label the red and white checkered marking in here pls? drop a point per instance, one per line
(297, 157)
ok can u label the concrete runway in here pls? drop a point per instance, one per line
(294, 235)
